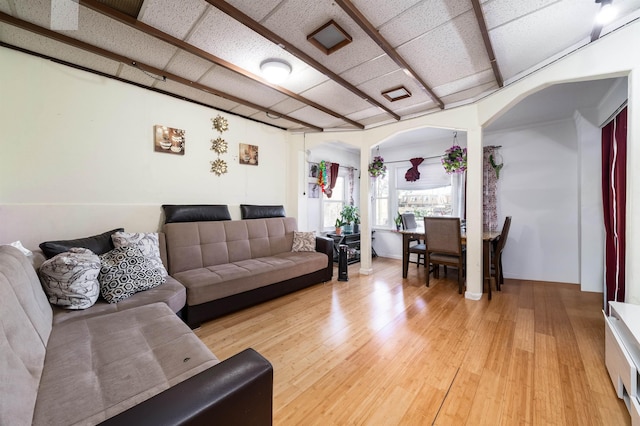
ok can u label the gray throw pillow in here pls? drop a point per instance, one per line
(146, 242)
(126, 271)
(70, 279)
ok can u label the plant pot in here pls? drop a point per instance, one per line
(348, 229)
(356, 228)
(338, 230)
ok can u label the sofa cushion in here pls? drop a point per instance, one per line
(147, 242)
(99, 244)
(218, 281)
(126, 271)
(98, 367)
(304, 241)
(24, 332)
(202, 244)
(70, 279)
(171, 293)
(195, 212)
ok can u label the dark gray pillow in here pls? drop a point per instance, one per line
(99, 244)
(249, 211)
(195, 212)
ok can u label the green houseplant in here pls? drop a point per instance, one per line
(349, 214)
(339, 224)
(398, 221)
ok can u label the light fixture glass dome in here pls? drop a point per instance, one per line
(275, 70)
(607, 13)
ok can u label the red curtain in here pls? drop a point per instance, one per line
(333, 177)
(614, 190)
(413, 174)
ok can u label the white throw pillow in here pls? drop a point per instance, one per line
(70, 279)
(304, 241)
(146, 242)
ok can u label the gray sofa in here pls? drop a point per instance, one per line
(231, 264)
(135, 363)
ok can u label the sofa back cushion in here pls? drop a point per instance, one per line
(196, 245)
(25, 326)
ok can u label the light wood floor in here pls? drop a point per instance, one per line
(380, 350)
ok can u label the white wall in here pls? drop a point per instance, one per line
(538, 187)
(77, 155)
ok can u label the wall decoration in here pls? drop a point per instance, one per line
(314, 190)
(248, 154)
(169, 140)
(219, 167)
(313, 170)
(219, 145)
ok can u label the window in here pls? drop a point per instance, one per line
(331, 207)
(435, 194)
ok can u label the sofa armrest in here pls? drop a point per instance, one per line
(237, 391)
(325, 245)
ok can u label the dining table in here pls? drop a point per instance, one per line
(488, 237)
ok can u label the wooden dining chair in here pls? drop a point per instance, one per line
(496, 260)
(419, 248)
(444, 246)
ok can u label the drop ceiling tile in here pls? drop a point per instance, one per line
(465, 83)
(98, 30)
(197, 95)
(498, 12)
(316, 14)
(326, 94)
(39, 44)
(316, 117)
(244, 110)
(424, 18)
(519, 45)
(470, 95)
(230, 82)
(172, 17)
(287, 106)
(303, 78)
(5, 8)
(188, 66)
(365, 114)
(378, 13)
(277, 122)
(370, 70)
(455, 50)
(35, 11)
(135, 75)
(256, 10)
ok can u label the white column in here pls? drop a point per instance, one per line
(365, 212)
(632, 266)
(474, 214)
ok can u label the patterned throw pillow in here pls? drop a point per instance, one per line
(70, 279)
(126, 271)
(304, 241)
(148, 243)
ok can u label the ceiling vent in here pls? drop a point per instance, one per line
(329, 37)
(396, 94)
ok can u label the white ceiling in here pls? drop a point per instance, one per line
(210, 51)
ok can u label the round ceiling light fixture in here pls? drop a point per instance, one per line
(275, 70)
(607, 12)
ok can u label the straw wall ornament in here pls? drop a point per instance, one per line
(219, 145)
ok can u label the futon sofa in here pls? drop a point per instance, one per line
(124, 364)
(232, 264)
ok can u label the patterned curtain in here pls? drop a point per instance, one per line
(489, 187)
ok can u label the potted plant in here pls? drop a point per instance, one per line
(339, 225)
(348, 216)
(398, 221)
(356, 224)
(377, 167)
(455, 159)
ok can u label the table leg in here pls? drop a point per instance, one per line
(405, 255)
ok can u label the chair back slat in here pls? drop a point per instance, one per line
(408, 221)
(443, 235)
(502, 241)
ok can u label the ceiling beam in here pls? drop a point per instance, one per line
(236, 14)
(28, 26)
(477, 9)
(156, 33)
(372, 32)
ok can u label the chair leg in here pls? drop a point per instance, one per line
(501, 276)
(460, 279)
(428, 272)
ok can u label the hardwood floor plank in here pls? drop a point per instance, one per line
(382, 350)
